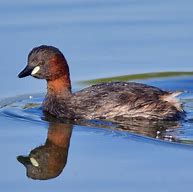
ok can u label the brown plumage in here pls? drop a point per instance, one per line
(113, 101)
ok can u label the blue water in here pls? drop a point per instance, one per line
(99, 39)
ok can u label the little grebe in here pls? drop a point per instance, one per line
(113, 101)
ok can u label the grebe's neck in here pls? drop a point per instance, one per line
(59, 134)
(59, 87)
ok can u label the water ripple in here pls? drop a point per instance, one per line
(28, 108)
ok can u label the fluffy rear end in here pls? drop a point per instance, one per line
(173, 100)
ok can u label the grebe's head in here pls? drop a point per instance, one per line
(45, 62)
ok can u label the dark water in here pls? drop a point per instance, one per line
(99, 39)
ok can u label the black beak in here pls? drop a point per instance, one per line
(24, 160)
(26, 72)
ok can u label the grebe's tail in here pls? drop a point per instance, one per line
(173, 100)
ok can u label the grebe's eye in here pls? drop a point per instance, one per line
(41, 63)
(35, 70)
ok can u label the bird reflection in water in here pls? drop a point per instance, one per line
(152, 129)
(48, 161)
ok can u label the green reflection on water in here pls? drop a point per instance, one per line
(137, 77)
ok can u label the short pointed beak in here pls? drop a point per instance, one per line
(24, 160)
(26, 72)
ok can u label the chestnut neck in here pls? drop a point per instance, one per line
(59, 134)
(59, 87)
